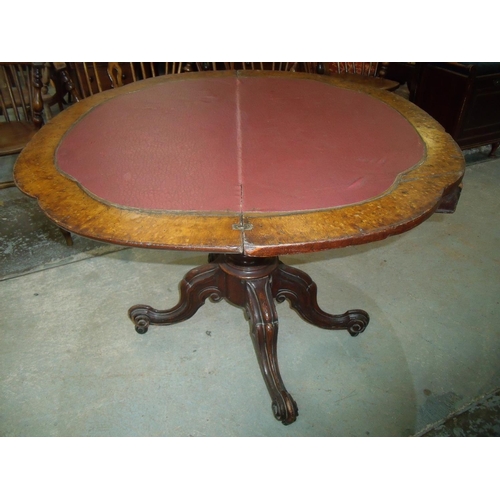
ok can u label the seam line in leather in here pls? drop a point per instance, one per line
(239, 140)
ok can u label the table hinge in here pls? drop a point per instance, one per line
(243, 226)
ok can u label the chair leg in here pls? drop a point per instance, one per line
(67, 236)
(48, 111)
(7, 184)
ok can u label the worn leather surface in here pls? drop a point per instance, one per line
(239, 144)
(168, 147)
(307, 145)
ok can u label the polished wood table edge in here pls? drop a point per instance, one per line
(413, 197)
(258, 246)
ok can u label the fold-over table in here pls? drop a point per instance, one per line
(246, 166)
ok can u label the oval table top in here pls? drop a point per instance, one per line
(258, 163)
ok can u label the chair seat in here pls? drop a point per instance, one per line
(373, 82)
(14, 136)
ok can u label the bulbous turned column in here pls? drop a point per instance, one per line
(37, 94)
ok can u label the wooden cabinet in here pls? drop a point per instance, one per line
(464, 98)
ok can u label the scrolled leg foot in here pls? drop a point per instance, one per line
(198, 285)
(285, 409)
(357, 321)
(140, 320)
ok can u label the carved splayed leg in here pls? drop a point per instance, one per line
(264, 331)
(301, 292)
(199, 284)
(248, 285)
(253, 283)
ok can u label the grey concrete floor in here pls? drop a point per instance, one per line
(71, 363)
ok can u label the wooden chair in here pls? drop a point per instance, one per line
(371, 74)
(20, 107)
(258, 66)
(54, 87)
(93, 78)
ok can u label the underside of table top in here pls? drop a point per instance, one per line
(258, 163)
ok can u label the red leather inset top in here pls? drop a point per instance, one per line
(239, 144)
(308, 145)
(167, 147)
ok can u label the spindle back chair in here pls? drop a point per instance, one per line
(20, 107)
(91, 78)
(259, 66)
(357, 68)
(366, 73)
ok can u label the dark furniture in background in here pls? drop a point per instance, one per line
(402, 72)
(464, 98)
